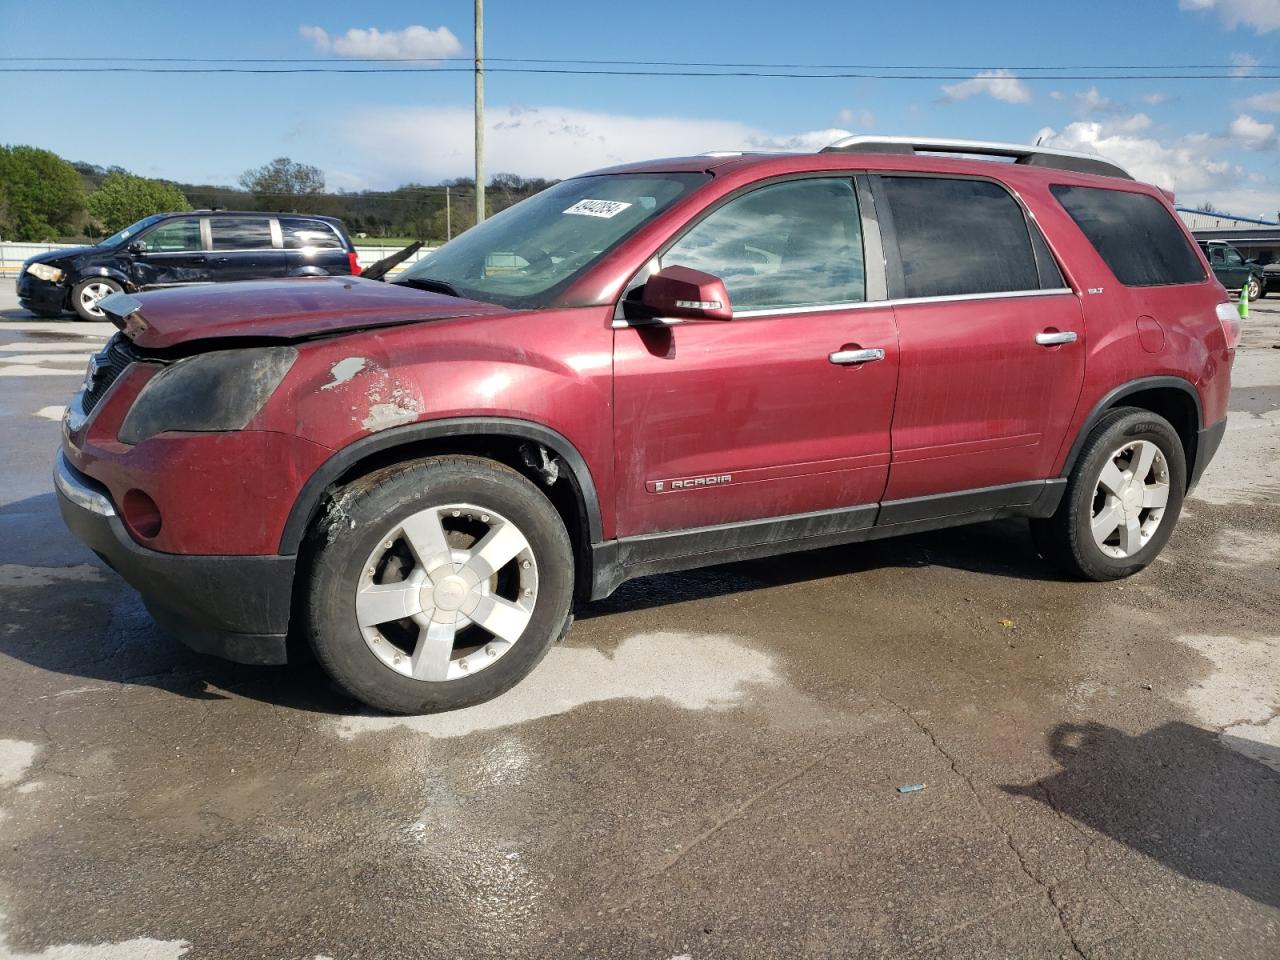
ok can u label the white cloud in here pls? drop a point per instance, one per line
(858, 118)
(1190, 163)
(1245, 64)
(1122, 125)
(810, 141)
(998, 84)
(1266, 102)
(1091, 101)
(426, 144)
(1260, 204)
(1262, 15)
(1154, 99)
(414, 42)
(1253, 134)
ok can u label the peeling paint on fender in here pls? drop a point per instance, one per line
(344, 370)
(383, 416)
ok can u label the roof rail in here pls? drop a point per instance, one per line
(1019, 152)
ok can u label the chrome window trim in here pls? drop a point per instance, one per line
(620, 324)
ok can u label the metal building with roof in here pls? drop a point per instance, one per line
(1255, 239)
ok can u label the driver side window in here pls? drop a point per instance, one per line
(1234, 258)
(174, 236)
(792, 244)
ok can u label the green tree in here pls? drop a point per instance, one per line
(40, 194)
(124, 198)
(285, 184)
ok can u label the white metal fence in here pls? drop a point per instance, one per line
(12, 254)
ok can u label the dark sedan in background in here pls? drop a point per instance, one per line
(173, 249)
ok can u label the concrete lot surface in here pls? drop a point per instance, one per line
(707, 767)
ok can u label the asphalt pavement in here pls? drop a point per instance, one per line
(707, 767)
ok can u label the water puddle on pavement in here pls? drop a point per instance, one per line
(692, 671)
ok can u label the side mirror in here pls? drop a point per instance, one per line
(686, 294)
(137, 246)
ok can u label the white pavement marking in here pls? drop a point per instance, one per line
(51, 413)
(695, 672)
(31, 359)
(142, 948)
(17, 575)
(15, 370)
(1241, 696)
(16, 757)
(1244, 548)
(28, 346)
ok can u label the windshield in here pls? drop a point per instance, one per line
(523, 256)
(130, 231)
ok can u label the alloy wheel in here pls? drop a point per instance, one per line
(91, 293)
(1129, 499)
(447, 592)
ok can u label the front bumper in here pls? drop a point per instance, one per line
(228, 606)
(40, 295)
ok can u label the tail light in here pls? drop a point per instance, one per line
(353, 259)
(1229, 317)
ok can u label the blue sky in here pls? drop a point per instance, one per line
(1212, 140)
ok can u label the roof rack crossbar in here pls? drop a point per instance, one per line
(1018, 152)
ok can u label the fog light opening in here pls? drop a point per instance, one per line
(141, 514)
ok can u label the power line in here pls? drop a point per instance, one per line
(1040, 67)
(859, 75)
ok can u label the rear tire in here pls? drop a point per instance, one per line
(86, 294)
(1122, 499)
(437, 584)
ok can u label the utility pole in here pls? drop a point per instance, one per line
(479, 111)
(448, 216)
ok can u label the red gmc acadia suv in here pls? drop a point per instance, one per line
(655, 367)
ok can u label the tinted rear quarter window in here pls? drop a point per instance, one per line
(240, 233)
(1134, 233)
(300, 232)
(959, 237)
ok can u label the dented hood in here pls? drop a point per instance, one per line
(287, 309)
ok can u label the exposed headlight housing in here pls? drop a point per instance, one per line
(208, 393)
(44, 272)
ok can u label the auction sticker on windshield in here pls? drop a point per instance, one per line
(598, 208)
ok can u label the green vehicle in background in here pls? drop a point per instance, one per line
(1232, 270)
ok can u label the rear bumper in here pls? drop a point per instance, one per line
(231, 607)
(1207, 442)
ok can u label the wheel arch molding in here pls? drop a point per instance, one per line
(370, 448)
(100, 272)
(1192, 416)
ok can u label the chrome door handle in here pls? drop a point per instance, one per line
(846, 357)
(1053, 339)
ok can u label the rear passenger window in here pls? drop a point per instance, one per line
(299, 233)
(1134, 234)
(790, 244)
(240, 233)
(959, 237)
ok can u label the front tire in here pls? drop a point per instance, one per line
(1253, 290)
(86, 294)
(1122, 499)
(437, 584)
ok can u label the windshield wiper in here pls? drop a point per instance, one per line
(433, 286)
